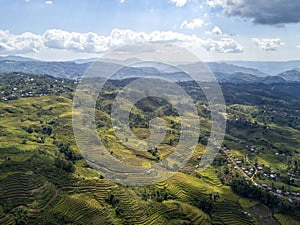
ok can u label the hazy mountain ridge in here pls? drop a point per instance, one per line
(268, 67)
(291, 75)
(224, 72)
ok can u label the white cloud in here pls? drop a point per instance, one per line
(217, 30)
(194, 24)
(95, 43)
(225, 45)
(179, 3)
(49, 2)
(268, 44)
(298, 46)
(122, 1)
(82, 42)
(216, 3)
(23, 43)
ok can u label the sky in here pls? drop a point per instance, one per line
(214, 30)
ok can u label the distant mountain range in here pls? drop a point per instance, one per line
(17, 58)
(56, 69)
(271, 68)
(231, 72)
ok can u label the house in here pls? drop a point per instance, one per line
(238, 162)
(246, 213)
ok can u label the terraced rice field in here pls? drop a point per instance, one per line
(82, 209)
(227, 212)
(187, 190)
(192, 213)
(286, 220)
(16, 189)
(209, 176)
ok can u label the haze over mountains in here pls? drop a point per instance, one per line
(225, 71)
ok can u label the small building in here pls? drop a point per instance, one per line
(238, 162)
(245, 213)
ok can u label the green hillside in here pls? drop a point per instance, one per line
(45, 180)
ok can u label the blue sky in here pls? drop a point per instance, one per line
(213, 29)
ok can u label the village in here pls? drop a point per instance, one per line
(25, 85)
(254, 173)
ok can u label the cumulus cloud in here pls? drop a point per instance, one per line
(82, 42)
(267, 44)
(298, 46)
(24, 43)
(49, 2)
(261, 11)
(225, 45)
(179, 3)
(216, 3)
(95, 43)
(217, 30)
(194, 24)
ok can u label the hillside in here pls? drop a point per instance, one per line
(45, 180)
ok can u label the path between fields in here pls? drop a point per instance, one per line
(251, 178)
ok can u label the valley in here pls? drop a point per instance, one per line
(255, 178)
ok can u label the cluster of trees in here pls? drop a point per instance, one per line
(115, 202)
(156, 194)
(154, 152)
(204, 203)
(44, 129)
(68, 152)
(275, 202)
(64, 164)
